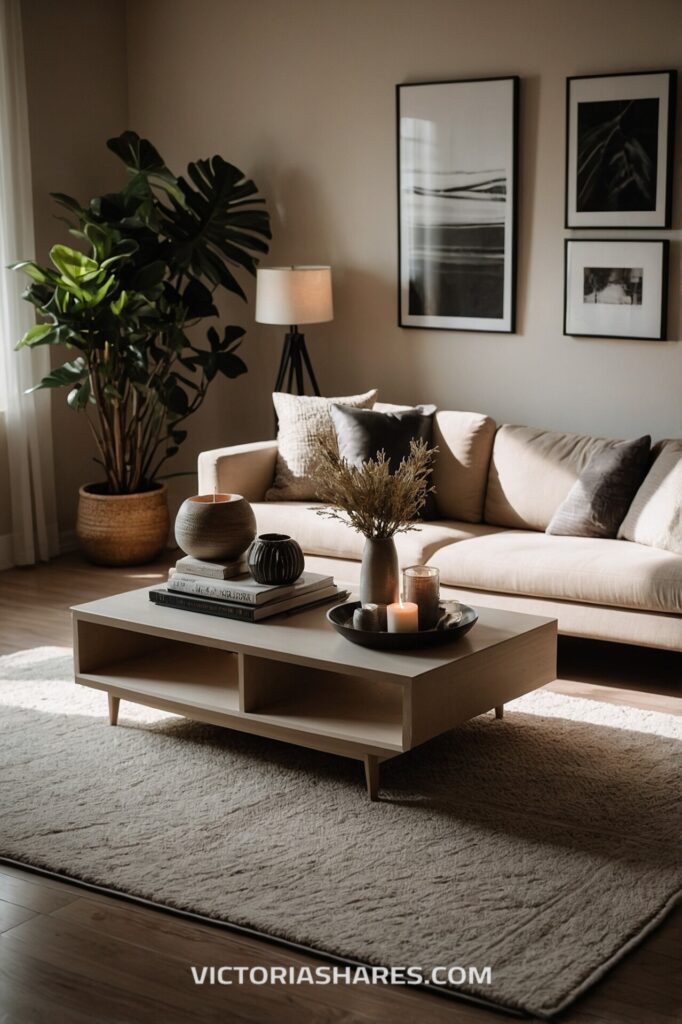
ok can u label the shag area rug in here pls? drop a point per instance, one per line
(545, 845)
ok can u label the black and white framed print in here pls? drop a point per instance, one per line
(619, 150)
(616, 289)
(457, 184)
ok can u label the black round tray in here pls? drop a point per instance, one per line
(341, 618)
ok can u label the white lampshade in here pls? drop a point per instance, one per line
(294, 295)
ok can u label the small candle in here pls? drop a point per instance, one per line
(402, 617)
(371, 617)
(366, 618)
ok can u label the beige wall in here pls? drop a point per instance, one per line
(300, 94)
(77, 95)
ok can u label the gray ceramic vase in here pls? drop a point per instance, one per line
(215, 527)
(379, 574)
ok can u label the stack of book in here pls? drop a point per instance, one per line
(228, 590)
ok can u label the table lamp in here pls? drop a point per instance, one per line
(294, 296)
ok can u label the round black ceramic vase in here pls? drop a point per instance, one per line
(276, 559)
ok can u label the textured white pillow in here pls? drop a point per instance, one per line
(655, 515)
(301, 419)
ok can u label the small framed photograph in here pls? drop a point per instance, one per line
(619, 150)
(457, 184)
(616, 289)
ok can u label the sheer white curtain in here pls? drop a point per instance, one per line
(27, 417)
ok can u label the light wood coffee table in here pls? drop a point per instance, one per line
(293, 678)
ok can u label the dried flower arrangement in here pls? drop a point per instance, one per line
(370, 498)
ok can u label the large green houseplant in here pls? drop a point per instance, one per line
(157, 250)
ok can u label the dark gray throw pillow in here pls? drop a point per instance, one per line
(361, 433)
(599, 500)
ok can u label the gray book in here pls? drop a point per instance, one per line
(213, 570)
(246, 590)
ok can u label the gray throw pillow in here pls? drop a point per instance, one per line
(600, 498)
(361, 433)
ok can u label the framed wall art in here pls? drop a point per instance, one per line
(457, 185)
(616, 289)
(619, 150)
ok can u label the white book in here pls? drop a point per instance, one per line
(214, 570)
(247, 591)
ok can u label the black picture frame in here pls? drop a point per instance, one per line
(489, 277)
(648, 310)
(637, 87)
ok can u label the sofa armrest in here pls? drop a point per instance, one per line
(247, 469)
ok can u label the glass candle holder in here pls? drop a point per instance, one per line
(421, 586)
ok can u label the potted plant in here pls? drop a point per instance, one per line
(378, 503)
(157, 251)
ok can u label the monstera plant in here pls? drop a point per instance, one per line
(149, 261)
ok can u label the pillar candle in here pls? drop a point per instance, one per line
(402, 617)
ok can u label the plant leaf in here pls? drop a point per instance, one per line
(207, 232)
(118, 304)
(38, 335)
(79, 396)
(146, 166)
(73, 265)
(176, 401)
(63, 376)
(41, 275)
(198, 300)
(68, 202)
(231, 365)
(149, 276)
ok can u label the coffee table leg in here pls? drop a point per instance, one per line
(372, 775)
(113, 708)
(499, 711)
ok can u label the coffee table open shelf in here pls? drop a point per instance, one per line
(293, 678)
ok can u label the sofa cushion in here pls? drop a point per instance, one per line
(320, 536)
(302, 419)
(599, 499)
(655, 516)
(362, 433)
(587, 569)
(464, 441)
(531, 473)
(670, 444)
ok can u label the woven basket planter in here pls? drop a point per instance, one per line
(122, 529)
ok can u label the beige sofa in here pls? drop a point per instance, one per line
(497, 489)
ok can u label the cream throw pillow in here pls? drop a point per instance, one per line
(302, 418)
(655, 516)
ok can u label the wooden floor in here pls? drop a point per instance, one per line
(67, 955)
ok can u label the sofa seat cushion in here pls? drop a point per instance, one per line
(586, 569)
(321, 536)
